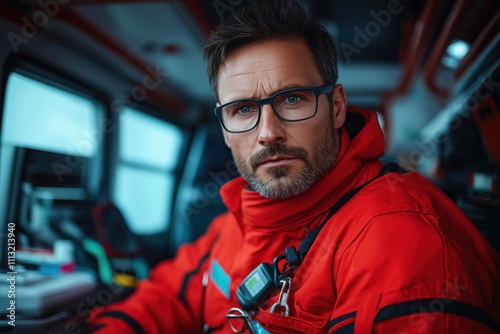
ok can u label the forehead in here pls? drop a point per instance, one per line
(261, 69)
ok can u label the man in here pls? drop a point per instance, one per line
(397, 257)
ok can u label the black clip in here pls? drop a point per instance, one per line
(292, 256)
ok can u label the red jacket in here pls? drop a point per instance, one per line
(399, 257)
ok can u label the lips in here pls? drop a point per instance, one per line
(276, 160)
(277, 155)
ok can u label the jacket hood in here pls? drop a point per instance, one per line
(361, 144)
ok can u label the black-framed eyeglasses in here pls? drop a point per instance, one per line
(290, 105)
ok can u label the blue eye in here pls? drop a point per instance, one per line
(292, 99)
(244, 109)
(240, 108)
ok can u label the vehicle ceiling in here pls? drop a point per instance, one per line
(171, 34)
(132, 38)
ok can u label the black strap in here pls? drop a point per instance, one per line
(131, 322)
(306, 244)
(449, 306)
(431, 305)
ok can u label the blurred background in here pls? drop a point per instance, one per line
(111, 156)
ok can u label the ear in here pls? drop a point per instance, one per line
(339, 102)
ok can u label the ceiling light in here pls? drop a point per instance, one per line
(455, 52)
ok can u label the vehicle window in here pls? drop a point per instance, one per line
(41, 122)
(40, 116)
(148, 152)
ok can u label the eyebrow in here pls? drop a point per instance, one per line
(282, 88)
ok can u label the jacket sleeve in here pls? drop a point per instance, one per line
(169, 300)
(408, 273)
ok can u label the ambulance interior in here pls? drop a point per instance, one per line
(111, 156)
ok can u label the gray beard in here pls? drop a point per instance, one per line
(282, 185)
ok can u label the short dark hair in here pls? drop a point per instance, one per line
(262, 20)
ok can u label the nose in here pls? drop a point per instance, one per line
(271, 128)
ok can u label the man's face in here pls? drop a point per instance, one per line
(281, 159)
